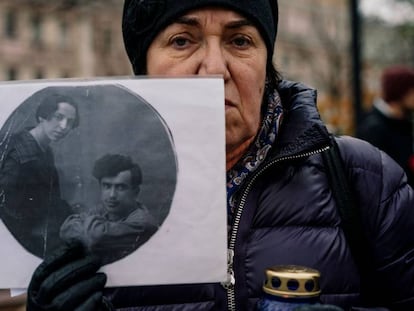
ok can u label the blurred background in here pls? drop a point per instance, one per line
(337, 46)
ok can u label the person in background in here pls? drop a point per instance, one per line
(30, 199)
(121, 224)
(389, 125)
(281, 208)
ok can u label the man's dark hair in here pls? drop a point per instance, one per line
(111, 165)
(50, 104)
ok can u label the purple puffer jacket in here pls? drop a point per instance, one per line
(287, 215)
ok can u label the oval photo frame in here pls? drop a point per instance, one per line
(112, 120)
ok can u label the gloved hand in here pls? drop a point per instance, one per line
(68, 280)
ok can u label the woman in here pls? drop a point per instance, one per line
(280, 204)
(29, 181)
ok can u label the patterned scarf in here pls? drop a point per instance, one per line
(256, 153)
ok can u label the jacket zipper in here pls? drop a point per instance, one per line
(231, 281)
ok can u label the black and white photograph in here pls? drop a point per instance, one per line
(94, 163)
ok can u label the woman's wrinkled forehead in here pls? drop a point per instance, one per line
(192, 18)
(144, 19)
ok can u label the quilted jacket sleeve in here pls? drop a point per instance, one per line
(387, 210)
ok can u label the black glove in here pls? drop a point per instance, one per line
(68, 280)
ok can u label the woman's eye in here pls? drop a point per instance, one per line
(58, 116)
(241, 42)
(180, 41)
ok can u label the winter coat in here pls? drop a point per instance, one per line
(287, 215)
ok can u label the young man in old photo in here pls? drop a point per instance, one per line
(120, 224)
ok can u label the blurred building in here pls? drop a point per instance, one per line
(60, 39)
(82, 38)
(313, 46)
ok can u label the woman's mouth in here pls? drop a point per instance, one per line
(229, 104)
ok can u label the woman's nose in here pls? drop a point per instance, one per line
(63, 124)
(214, 61)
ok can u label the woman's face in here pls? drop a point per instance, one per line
(214, 41)
(60, 123)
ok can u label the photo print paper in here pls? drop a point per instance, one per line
(131, 168)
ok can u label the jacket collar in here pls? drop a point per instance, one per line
(302, 129)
